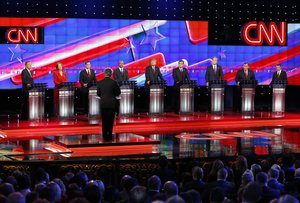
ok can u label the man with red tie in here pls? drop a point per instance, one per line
(152, 74)
(214, 71)
(279, 75)
(87, 78)
(244, 74)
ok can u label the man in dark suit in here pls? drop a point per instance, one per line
(180, 74)
(87, 78)
(279, 75)
(152, 74)
(244, 74)
(108, 90)
(120, 73)
(213, 72)
(27, 82)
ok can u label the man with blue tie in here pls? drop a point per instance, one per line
(180, 74)
(213, 72)
(120, 73)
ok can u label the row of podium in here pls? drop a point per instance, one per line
(156, 98)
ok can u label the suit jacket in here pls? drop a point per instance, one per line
(281, 77)
(108, 90)
(179, 76)
(58, 79)
(85, 79)
(153, 76)
(241, 76)
(26, 79)
(119, 76)
(211, 75)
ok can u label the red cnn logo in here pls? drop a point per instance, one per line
(270, 34)
(22, 35)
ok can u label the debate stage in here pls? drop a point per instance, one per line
(198, 135)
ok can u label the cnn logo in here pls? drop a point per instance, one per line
(258, 33)
(24, 35)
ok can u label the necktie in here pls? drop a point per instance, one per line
(246, 74)
(153, 69)
(29, 73)
(215, 69)
(89, 73)
(182, 76)
(278, 74)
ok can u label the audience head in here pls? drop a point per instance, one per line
(287, 199)
(241, 164)
(297, 173)
(247, 177)
(138, 194)
(6, 189)
(297, 164)
(196, 197)
(273, 173)
(170, 188)
(154, 183)
(252, 193)
(92, 193)
(23, 182)
(129, 184)
(41, 176)
(175, 199)
(197, 173)
(255, 168)
(222, 174)
(262, 178)
(15, 197)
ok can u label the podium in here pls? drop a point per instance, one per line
(187, 89)
(217, 88)
(278, 96)
(156, 103)
(36, 101)
(66, 92)
(94, 101)
(126, 107)
(248, 95)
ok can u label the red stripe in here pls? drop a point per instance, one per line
(29, 21)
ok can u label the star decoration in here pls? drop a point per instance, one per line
(152, 36)
(17, 53)
(131, 47)
(222, 54)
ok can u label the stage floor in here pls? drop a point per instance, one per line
(142, 136)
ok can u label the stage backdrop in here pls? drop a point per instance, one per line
(136, 42)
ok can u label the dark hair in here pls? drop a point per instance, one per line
(252, 192)
(154, 183)
(278, 64)
(92, 193)
(273, 173)
(180, 61)
(262, 178)
(138, 194)
(108, 72)
(246, 63)
(26, 62)
(87, 62)
(23, 181)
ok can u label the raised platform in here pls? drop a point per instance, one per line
(142, 136)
